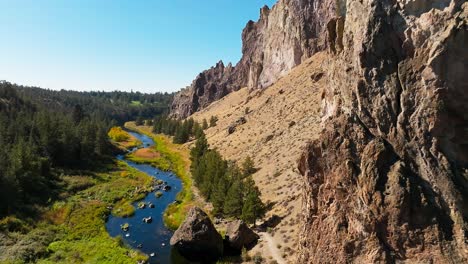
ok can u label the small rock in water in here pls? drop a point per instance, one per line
(163, 244)
(147, 220)
(125, 227)
(139, 246)
(152, 255)
(127, 235)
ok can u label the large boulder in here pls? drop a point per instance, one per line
(197, 238)
(239, 235)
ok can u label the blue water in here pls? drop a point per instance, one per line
(153, 237)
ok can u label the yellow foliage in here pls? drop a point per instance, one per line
(118, 134)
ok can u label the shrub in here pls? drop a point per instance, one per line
(118, 134)
(13, 224)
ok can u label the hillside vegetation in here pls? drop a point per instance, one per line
(279, 120)
(59, 180)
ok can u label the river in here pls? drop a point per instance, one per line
(152, 238)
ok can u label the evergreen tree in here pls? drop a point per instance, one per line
(149, 122)
(234, 197)
(213, 121)
(182, 132)
(157, 125)
(101, 141)
(196, 154)
(205, 124)
(248, 167)
(139, 121)
(197, 130)
(200, 148)
(219, 196)
(77, 114)
(214, 169)
(253, 207)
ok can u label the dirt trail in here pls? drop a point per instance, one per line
(273, 247)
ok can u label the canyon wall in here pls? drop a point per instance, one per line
(387, 179)
(283, 37)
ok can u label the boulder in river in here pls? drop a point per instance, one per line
(197, 238)
(125, 227)
(239, 235)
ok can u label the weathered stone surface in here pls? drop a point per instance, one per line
(285, 36)
(197, 237)
(387, 181)
(240, 235)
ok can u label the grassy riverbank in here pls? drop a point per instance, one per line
(72, 230)
(173, 157)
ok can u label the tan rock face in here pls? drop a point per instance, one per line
(387, 179)
(279, 121)
(284, 37)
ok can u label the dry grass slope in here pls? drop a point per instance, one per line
(280, 121)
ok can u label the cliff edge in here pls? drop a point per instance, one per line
(383, 106)
(284, 37)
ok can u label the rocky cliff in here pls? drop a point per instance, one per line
(281, 39)
(385, 175)
(387, 179)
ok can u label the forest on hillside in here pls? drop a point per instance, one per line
(44, 133)
(115, 106)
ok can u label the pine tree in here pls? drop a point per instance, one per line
(213, 121)
(234, 197)
(182, 133)
(248, 167)
(215, 168)
(101, 141)
(201, 147)
(157, 126)
(139, 121)
(197, 130)
(149, 122)
(205, 124)
(253, 207)
(197, 168)
(77, 114)
(219, 196)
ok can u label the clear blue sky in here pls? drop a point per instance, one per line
(109, 45)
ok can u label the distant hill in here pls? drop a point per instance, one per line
(118, 106)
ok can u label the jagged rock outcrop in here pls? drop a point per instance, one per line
(197, 238)
(286, 35)
(387, 181)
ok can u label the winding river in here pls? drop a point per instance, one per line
(150, 238)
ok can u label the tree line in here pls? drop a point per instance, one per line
(229, 187)
(182, 131)
(115, 106)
